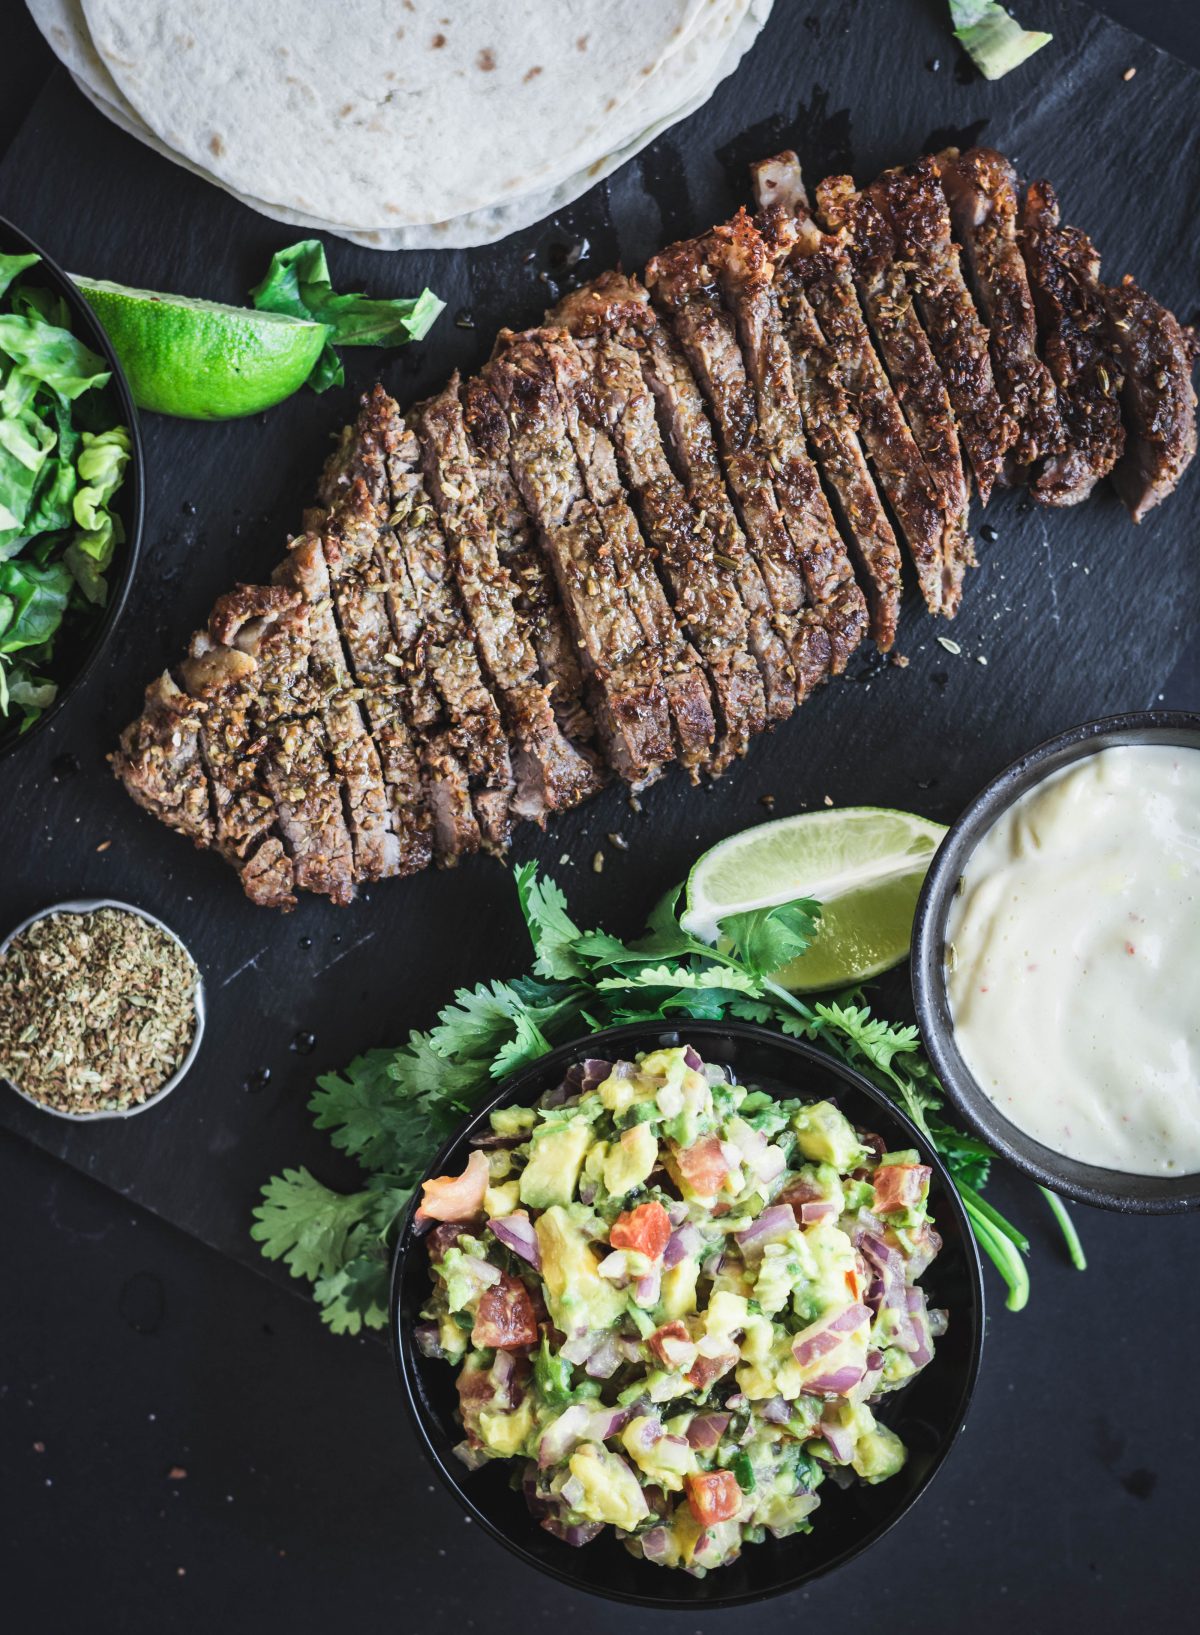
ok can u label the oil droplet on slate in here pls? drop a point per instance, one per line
(63, 766)
(989, 534)
(258, 1080)
(143, 1302)
(306, 942)
(304, 1044)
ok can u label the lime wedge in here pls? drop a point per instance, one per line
(863, 864)
(201, 360)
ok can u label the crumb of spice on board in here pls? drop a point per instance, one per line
(97, 1010)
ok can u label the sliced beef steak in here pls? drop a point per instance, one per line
(160, 762)
(686, 291)
(688, 695)
(916, 383)
(1157, 357)
(1064, 271)
(915, 207)
(551, 774)
(377, 849)
(981, 188)
(746, 270)
(630, 700)
(518, 549)
(608, 320)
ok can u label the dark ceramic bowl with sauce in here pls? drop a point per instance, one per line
(1087, 1183)
(928, 1414)
(82, 638)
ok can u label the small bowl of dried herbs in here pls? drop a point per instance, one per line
(101, 1010)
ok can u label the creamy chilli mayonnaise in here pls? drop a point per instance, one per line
(1073, 959)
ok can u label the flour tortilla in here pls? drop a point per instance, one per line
(321, 107)
(62, 23)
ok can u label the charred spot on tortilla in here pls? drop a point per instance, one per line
(486, 60)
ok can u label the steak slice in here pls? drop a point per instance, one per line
(630, 701)
(350, 544)
(916, 382)
(608, 319)
(1064, 272)
(981, 188)
(685, 290)
(369, 816)
(688, 695)
(745, 267)
(915, 207)
(159, 761)
(1157, 358)
(272, 626)
(551, 774)
(518, 549)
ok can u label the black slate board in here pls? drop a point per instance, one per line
(1077, 614)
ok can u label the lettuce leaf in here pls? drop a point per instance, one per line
(992, 37)
(297, 283)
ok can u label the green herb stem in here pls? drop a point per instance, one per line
(1004, 1257)
(1067, 1226)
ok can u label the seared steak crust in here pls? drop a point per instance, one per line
(1064, 271)
(159, 761)
(981, 188)
(608, 319)
(916, 380)
(1157, 357)
(915, 207)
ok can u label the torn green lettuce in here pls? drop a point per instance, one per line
(992, 37)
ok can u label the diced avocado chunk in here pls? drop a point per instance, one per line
(878, 1454)
(507, 1434)
(678, 1295)
(611, 1492)
(554, 1164)
(666, 1461)
(726, 1312)
(577, 1296)
(513, 1120)
(826, 1136)
(501, 1199)
(630, 1160)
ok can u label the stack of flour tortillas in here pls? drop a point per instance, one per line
(400, 124)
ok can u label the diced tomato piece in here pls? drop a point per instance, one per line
(441, 1238)
(713, 1495)
(646, 1229)
(798, 1193)
(505, 1319)
(456, 1197)
(703, 1166)
(672, 1344)
(900, 1186)
(705, 1370)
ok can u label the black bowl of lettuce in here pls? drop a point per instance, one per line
(71, 493)
(927, 1413)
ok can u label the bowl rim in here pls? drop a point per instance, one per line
(88, 905)
(1117, 1190)
(522, 1083)
(83, 318)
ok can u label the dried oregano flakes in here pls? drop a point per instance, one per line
(97, 1010)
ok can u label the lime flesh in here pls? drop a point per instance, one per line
(200, 360)
(863, 864)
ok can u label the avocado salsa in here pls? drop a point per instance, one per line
(677, 1302)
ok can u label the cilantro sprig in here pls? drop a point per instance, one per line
(391, 1108)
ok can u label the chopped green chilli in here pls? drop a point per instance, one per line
(677, 1303)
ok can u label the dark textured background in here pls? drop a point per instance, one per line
(127, 1348)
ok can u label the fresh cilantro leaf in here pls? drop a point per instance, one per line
(767, 939)
(306, 1224)
(526, 1045)
(667, 976)
(551, 929)
(355, 1296)
(368, 1118)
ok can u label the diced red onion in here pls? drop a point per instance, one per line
(669, 1100)
(820, 1209)
(483, 1270)
(516, 1232)
(494, 1139)
(579, 1347)
(927, 1246)
(874, 1361)
(677, 1211)
(539, 1503)
(573, 1492)
(939, 1321)
(656, 1544)
(706, 1430)
(840, 1438)
(778, 1410)
(836, 1384)
(473, 1458)
(428, 1343)
(503, 1370)
(692, 1059)
(771, 1226)
(827, 1333)
(738, 1400)
(682, 1242)
(605, 1422)
(921, 1351)
(614, 1268)
(587, 1190)
(561, 1435)
(631, 1350)
(649, 1432)
(647, 1289)
(605, 1360)
(595, 1071)
(713, 1264)
(576, 1535)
